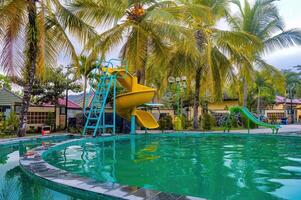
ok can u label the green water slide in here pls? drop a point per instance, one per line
(254, 119)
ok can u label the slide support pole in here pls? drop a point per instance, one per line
(133, 124)
(248, 126)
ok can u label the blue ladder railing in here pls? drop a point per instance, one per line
(96, 115)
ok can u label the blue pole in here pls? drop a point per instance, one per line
(114, 106)
(133, 124)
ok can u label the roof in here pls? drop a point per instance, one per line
(281, 99)
(79, 98)
(62, 102)
(7, 97)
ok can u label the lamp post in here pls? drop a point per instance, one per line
(291, 97)
(67, 88)
(180, 84)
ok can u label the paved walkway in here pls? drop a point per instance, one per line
(286, 129)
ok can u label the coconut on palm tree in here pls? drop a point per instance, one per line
(44, 28)
(141, 27)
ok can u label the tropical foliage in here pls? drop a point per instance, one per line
(34, 33)
(262, 20)
(157, 38)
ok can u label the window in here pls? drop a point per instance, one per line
(62, 111)
(17, 109)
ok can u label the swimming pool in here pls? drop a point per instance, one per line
(15, 184)
(213, 166)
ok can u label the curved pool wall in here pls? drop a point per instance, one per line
(84, 187)
(12, 178)
(124, 191)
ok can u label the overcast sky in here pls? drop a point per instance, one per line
(290, 10)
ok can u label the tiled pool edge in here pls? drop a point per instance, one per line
(35, 166)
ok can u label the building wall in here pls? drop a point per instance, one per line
(220, 106)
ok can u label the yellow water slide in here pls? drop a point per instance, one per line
(137, 94)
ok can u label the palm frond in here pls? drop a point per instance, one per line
(283, 40)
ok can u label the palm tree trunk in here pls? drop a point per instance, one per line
(245, 92)
(196, 102)
(85, 93)
(258, 101)
(30, 65)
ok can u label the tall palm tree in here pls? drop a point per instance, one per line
(263, 21)
(46, 26)
(218, 50)
(143, 27)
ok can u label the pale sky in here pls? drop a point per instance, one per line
(290, 10)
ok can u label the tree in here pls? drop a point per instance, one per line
(5, 82)
(43, 27)
(144, 27)
(53, 87)
(86, 65)
(262, 20)
(268, 83)
(210, 53)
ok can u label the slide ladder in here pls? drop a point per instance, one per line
(96, 114)
(254, 119)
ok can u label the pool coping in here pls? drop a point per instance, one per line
(11, 141)
(34, 165)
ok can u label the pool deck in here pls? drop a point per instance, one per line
(292, 129)
(84, 187)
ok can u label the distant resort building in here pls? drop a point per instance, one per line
(38, 115)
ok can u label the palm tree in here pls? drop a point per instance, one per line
(86, 66)
(217, 50)
(46, 26)
(143, 27)
(269, 81)
(263, 21)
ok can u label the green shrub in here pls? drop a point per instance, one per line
(208, 122)
(12, 122)
(234, 123)
(245, 123)
(2, 123)
(165, 123)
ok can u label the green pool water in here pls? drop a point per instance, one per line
(209, 166)
(16, 185)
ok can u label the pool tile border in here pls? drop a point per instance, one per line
(34, 165)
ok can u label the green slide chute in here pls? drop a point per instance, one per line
(254, 119)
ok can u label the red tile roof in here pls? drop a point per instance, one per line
(280, 99)
(62, 102)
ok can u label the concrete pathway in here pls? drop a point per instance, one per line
(286, 129)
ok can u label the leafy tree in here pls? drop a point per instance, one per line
(268, 83)
(5, 82)
(54, 86)
(293, 83)
(43, 27)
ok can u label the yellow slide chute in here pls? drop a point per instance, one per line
(137, 94)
